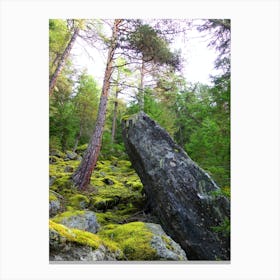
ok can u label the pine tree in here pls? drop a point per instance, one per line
(81, 177)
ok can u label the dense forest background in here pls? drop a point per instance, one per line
(147, 75)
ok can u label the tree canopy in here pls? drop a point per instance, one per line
(146, 74)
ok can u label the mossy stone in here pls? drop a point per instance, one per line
(133, 238)
(78, 201)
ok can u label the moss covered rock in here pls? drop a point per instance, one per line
(166, 247)
(57, 153)
(81, 149)
(71, 155)
(78, 201)
(55, 205)
(141, 241)
(83, 220)
(76, 245)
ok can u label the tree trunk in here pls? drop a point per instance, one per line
(115, 117)
(78, 139)
(63, 60)
(81, 177)
(115, 109)
(141, 87)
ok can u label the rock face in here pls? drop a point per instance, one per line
(179, 192)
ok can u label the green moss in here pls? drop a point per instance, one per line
(167, 242)
(116, 216)
(60, 217)
(116, 183)
(57, 153)
(97, 182)
(134, 182)
(84, 238)
(111, 195)
(133, 238)
(79, 201)
(76, 235)
(63, 182)
(69, 208)
(52, 197)
(80, 149)
(55, 159)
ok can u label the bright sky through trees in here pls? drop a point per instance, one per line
(198, 58)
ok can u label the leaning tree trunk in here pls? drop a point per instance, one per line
(115, 109)
(81, 177)
(141, 87)
(63, 60)
(115, 117)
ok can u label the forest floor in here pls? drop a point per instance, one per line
(115, 198)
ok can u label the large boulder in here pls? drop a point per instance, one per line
(186, 200)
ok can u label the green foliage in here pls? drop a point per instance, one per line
(108, 148)
(147, 41)
(59, 35)
(63, 126)
(203, 128)
(223, 228)
(197, 116)
(86, 105)
(224, 191)
(72, 117)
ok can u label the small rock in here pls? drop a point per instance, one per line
(57, 153)
(108, 181)
(54, 205)
(51, 180)
(69, 169)
(84, 220)
(166, 247)
(71, 155)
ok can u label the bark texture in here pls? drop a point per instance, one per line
(81, 177)
(63, 60)
(187, 202)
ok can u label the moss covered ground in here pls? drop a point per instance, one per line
(115, 192)
(115, 195)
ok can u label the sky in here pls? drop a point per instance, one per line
(197, 67)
